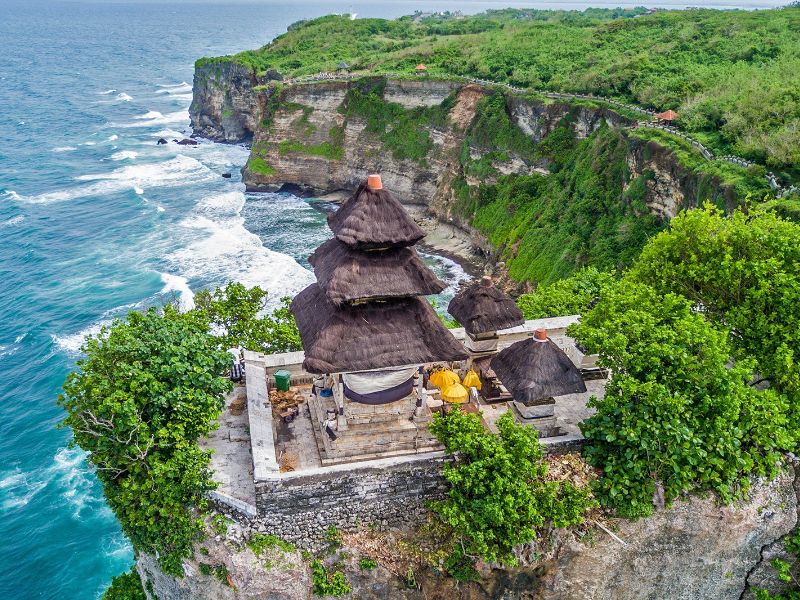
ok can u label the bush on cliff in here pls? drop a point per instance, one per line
(499, 495)
(571, 296)
(127, 586)
(743, 271)
(235, 312)
(148, 388)
(677, 416)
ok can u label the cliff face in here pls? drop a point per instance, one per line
(225, 107)
(695, 550)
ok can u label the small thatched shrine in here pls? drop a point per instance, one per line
(367, 329)
(483, 310)
(535, 371)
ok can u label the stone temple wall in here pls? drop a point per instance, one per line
(386, 493)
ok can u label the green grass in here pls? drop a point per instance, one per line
(260, 166)
(260, 543)
(325, 149)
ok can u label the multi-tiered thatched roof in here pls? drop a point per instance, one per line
(367, 310)
(373, 335)
(536, 368)
(482, 308)
(348, 275)
(373, 218)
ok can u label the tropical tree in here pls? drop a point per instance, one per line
(149, 387)
(677, 416)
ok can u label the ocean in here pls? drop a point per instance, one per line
(97, 220)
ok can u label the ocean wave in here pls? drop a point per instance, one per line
(173, 88)
(178, 171)
(113, 138)
(154, 118)
(71, 343)
(107, 92)
(123, 97)
(16, 489)
(64, 149)
(124, 154)
(13, 220)
(449, 271)
(228, 251)
(12, 195)
(175, 284)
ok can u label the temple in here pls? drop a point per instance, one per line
(367, 331)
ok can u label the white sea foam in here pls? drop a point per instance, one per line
(64, 149)
(16, 489)
(160, 208)
(12, 195)
(174, 87)
(113, 138)
(123, 97)
(89, 144)
(180, 286)
(124, 155)
(71, 343)
(107, 92)
(13, 221)
(178, 171)
(155, 118)
(226, 250)
(452, 273)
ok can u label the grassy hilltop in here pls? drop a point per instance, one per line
(733, 76)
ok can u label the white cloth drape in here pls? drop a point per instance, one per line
(368, 382)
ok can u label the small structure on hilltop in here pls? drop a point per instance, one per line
(421, 69)
(484, 310)
(535, 371)
(367, 330)
(667, 116)
(343, 67)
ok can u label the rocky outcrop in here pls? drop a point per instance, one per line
(538, 119)
(226, 107)
(695, 550)
(670, 185)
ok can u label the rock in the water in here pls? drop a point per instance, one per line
(226, 175)
(161, 141)
(187, 142)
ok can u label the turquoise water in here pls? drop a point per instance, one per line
(96, 220)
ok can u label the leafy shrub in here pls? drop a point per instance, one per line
(498, 494)
(571, 296)
(676, 414)
(259, 543)
(148, 388)
(367, 564)
(235, 312)
(127, 586)
(328, 584)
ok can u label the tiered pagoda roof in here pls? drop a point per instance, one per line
(366, 310)
(482, 308)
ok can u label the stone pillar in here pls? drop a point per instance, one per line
(338, 395)
(421, 393)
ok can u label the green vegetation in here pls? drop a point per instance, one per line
(743, 271)
(676, 416)
(788, 573)
(127, 586)
(148, 388)
(328, 584)
(551, 226)
(402, 131)
(731, 75)
(571, 296)
(367, 564)
(235, 312)
(325, 149)
(258, 165)
(260, 543)
(498, 494)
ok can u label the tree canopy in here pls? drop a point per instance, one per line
(498, 494)
(148, 388)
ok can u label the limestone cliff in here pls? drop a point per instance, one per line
(695, 550)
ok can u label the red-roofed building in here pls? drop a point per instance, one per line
(669, 115)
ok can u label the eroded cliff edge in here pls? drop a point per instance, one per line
(448, 147)
(695, 550)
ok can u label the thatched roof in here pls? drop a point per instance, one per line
(373, 335)
(667, 115)
(346, 274)
(373, 218)
(533, 369)
(482, 307)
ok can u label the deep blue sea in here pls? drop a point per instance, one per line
(96, 220)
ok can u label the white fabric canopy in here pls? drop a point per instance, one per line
(368, 382)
